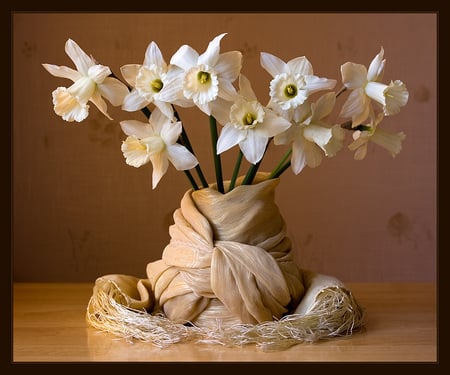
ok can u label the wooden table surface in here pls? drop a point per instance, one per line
(49, 326)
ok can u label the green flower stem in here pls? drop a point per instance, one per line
(217, 161)
(280, 164)
(342, 90)
(251, 173)
(191, 179)
(198, 169)
(146, 112)
(187, 144)
(236, 171)
(282, 169)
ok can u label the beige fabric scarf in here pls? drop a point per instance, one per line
(228, 259)
(229, 270)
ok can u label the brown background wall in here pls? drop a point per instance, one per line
(81, 212)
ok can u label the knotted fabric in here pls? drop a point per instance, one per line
(228, 260)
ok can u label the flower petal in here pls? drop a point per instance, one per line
(113, 90)
(172, 90)
(160, 164)
(133, 101)
(135, 152)
(229, 137)
(181, 158)
(97, 99)
(211, 55)
(98, 73)
(158, 121)
(272, 125)
(245, 88)
(229, 65)
(354, 76)
(62, 71)
(68, 107)
(396, 96)
(314, 84)
(357, 106)
(166, 109)
(170, 132)
(317, 134)
(129, 73)
(300, 65)
(337, 141)
(253, 147)
(153, 56)
(390, 142)
(273, 64)
(185, 58)
(136, 129)
(227, 90)
(81, 60)
(298, 158)
(323, 106)
(376, 67)
(287, 136)
(314, 154)
(220, 109)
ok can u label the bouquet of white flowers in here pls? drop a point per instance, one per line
(228, 273)
(206, 81)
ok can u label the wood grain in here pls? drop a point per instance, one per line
(49, 326)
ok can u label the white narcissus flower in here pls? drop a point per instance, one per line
(156, 141)
(293, 82)
(247, 123)
(91, 83)
(370, 132)
(365, 86)
(147, 81)
(201, 79)
(311, 138)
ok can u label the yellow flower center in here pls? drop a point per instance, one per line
(249, 118)
(203, 77)
(290, 91)
(156, 85)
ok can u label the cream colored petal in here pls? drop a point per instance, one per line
(376, 67)
(154, 56)
(273, 64)
(136, 129)
(354, 76)
(68, 107)
(181, 158)
(129, 73)
(62, 71)
(300, 65)
(211, 55)
(81, 60)
(113, 90)
(229, 65)
(357, 107)
(100, 103)
(135, 152)
(160, 163)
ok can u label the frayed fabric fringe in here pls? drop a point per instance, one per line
(331, 311)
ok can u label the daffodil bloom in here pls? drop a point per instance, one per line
(91, 83)
(293, 82)
(201, 79)
(247, 123)
(370, 132)
(311, 138)
(156, 141)
(147, 81)
(365, 86)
